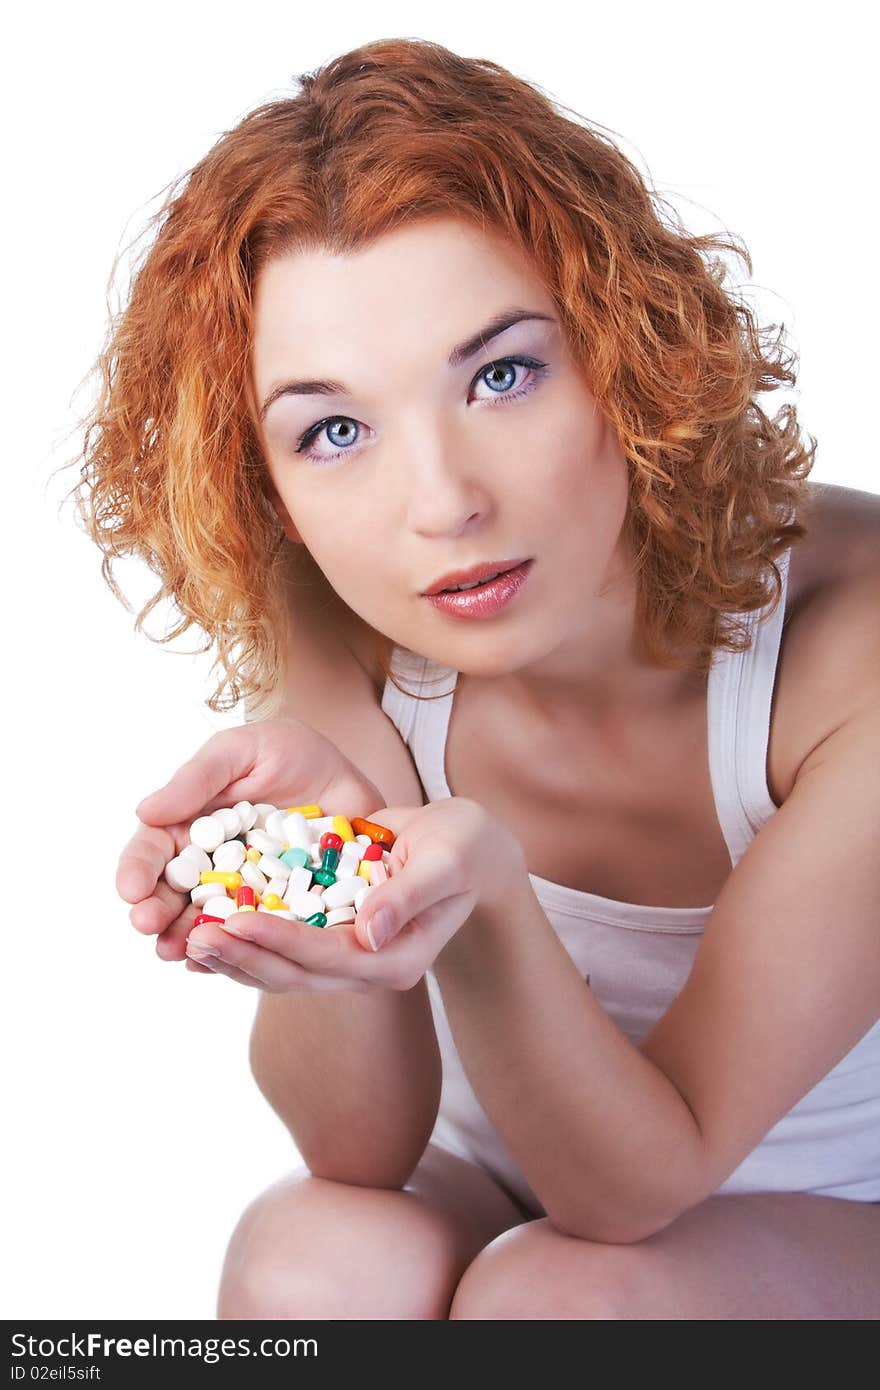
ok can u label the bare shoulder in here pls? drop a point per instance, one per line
(830, 653)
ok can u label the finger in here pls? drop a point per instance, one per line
(157, 913)
(274, 972)
(333, 951)
(216, 966)
(421, 882)
(142, 862)
(220, 766)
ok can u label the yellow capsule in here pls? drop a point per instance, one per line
(363, 869)
(273, 902)
(310, 812)
(229, 881)
(254, 855)
(342, 828)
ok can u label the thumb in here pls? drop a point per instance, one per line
(220, 766)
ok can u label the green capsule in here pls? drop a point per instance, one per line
(324, 877)
(295, 858)
(330, 859)
(318, 919)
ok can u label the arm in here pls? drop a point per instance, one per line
(617, 1140)
(354, 1075)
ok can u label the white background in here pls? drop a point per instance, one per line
(135, 1135)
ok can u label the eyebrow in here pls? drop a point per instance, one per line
(501, 321)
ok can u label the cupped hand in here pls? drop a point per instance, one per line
(282, 761)
(448, 858)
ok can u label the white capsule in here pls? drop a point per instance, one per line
(207, 832)
(273, 868)
(339, 915)
(252, 876)
(247, 814)
(362, 840)
(182, 874)
(198, 856)
(266, 844)
(342, 893)
(229, 856)
(263, 809)
(296, 829)
(219, 907)
(231, 821)
(349, 859)
(319, 825)
(200, 894)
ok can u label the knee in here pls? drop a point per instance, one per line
(311, 1248)
(534, 1273)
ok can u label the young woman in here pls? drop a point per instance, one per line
(617, 1054)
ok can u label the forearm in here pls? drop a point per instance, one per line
(604, 1139)
(354, 1075)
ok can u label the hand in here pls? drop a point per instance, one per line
(282, 761)
(449, 857)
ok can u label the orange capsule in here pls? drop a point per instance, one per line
(379, 834)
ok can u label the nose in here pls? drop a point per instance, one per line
(444, 483)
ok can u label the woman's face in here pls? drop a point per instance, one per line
(409, 466)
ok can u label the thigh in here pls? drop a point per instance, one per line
(311, 1248)
(753, 1256)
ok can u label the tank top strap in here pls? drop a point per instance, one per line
(422, 722)
(739, 703)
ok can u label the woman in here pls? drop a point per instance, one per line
(562, 1086)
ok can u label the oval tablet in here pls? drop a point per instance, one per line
(182, 874)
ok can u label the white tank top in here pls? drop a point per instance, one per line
(637, 958)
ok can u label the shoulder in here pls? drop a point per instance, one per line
(829, 667)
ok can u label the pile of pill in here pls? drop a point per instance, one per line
(297, 863)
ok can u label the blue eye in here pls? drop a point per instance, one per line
(502, 367)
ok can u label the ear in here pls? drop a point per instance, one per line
(284, 515)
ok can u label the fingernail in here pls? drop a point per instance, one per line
(379, 928)
(200, 952)
(239, 928)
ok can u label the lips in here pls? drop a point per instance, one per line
(476, 574)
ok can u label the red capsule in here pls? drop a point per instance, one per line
(373, 852)
(204, 917)
(246, 898)
(330, 840)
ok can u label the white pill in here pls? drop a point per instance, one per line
(277, 885)
(247, 814)
(362, 840)
(198, 856)
(304, 904)
(252, 876)
(300, 879)
(275, 825)
(319, 825)
(361, 896)
(342, 893)
(296, 830)
(340, 914)
(285, 913)
(263, 809)
(349, 859)
(182, 874)
(231, 821)
(229, 856)
(266, 844)
(273, 868)
(202, 893)
(207, 832)
(219, 907)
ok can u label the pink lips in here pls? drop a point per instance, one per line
(486, 600)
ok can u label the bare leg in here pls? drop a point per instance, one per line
(753, 1256)
(311, 1248)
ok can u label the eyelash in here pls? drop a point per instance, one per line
(538, 368)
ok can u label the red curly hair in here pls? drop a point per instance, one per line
(172, 469)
